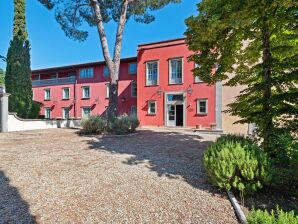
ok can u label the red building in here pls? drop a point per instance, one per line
(168, 93)
(79, 90)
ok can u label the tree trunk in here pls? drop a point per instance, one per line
(267, 107)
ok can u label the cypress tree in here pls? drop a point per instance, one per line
(18, 72)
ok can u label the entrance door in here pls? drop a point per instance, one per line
(179, 115)
(171, 115)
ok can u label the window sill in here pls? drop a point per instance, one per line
(152, 85)
(173, 84)
(85, 98)
(202, 114)
(66, 99)
(47, 99)
(151, 114)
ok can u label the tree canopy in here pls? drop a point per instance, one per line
(255, 41)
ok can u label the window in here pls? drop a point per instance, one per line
(133, 89)
(47, 113)
(106, 71)
(197, 78)
(151, 73)
(202, 106)
(133, 111)
(132, 68)
(107, 90)
(47, 94)
(86, 73)
(65, 94)
(151, 107)
(86, 111)
(86, 92)
(176, 71)
(65, 113)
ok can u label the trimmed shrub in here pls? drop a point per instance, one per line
(276, 217)
(94, 125)
(134, 123)
(120, 125)
(238, 163)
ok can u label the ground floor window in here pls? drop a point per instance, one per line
(65, 113)
(86, 112)
(133, 111)
(151, 107)
(202, 106)
(47, 113)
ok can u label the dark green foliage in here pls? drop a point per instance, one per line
(19, 26)
(2, 77)
(17, 79)
(94, 125)
(267, 66)
(134, 123)
(139, 10)
(233, 162)
(276, 217)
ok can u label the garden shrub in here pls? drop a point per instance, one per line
(120, 125)
(94, 125)
(276, 217)
(134, 123)
(236, 162)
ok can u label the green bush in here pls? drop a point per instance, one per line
(276, 217)
(123, 125)
(238, 163)
(134, 123)
(94, 125)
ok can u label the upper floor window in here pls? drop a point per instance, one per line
(86, 73)
(197, 78)
(106, 72)
(175, 70)
(202, 106)
(65, 94)
(151, 73)
(132, 68)
(47, 94)
(85, 92)
(47, 113)
(133, 88)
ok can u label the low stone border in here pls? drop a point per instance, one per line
(238, 210)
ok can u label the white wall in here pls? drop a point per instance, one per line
(17, 124)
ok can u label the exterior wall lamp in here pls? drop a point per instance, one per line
(123, 99)
(189, 90)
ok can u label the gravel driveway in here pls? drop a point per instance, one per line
(57, 176)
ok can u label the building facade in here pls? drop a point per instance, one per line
(158, 86)
(80, 90)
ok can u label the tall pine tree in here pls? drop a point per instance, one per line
(257, 41)
(18, 72)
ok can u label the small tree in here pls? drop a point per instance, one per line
(18, 72)
(257, 41)
(71, 14)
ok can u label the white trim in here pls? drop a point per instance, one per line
(155, 106)
(157, 76)
(63, 93)
(83, 92)
(184, 106)
(170, 70)
(198, 107)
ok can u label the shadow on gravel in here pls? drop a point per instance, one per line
(170, 154)
(13, 209)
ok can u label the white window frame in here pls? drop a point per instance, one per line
(45, 113)
(132, 89)
(157, 75)
(107, 90)
(134, 71)
(131, 109)
(83, 114)
(45, 94)
(106, 71)
(84, 73)
(83, 95)
(170, 70)
(197, 78)
(63, 93)
(198, 106)
(149, 103)
(63, 112)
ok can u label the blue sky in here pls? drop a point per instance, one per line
(50, 47)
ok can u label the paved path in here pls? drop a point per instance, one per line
(57, 176)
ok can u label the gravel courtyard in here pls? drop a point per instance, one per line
(57, 176)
